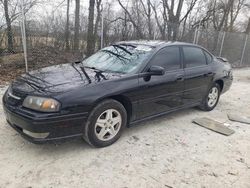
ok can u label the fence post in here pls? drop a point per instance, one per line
(194, 41)
(222, 43)
(102, 29)
(23, 31)
(244, 48)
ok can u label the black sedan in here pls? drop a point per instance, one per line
(118, 86)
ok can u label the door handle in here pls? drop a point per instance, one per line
(180, 79)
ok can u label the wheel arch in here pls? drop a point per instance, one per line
(220, 83)
(125, 101)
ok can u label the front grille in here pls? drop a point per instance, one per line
(12, 101)
(19, 94)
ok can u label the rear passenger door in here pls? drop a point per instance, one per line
(198, 74)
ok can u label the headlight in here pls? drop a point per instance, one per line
(41, 104)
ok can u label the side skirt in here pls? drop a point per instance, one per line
(133, 123)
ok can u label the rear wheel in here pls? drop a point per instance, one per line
(105, 123)
(211, 98)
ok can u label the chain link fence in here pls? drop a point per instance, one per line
(233, 46)
(48, 44)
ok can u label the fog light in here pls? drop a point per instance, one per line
(35, 135)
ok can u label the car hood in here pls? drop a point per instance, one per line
(60, 78)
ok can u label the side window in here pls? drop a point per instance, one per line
(194, 56)
(208, 56)
(168, 58)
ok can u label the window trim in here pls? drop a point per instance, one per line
(183, 56)
(180, 56)
(206, 52)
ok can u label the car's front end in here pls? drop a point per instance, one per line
(38, 119)
(53, 103)
(33, 108)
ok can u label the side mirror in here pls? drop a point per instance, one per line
(156, 70)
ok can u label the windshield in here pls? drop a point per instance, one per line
(119, 58)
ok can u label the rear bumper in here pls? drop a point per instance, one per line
(42, 130)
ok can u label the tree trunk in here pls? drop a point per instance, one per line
(150, 33)
(77, 25)
(90, 39)
(162, 27)
(97, 21)
(9, 29)
(139, 32)
(125, 27)
(67, 27)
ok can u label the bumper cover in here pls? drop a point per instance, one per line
(58, 127)
(227, 84)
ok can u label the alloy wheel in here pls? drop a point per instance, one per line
(108, 125)
(213, 96)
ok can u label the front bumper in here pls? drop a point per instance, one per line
(51, 128)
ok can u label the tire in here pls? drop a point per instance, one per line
(208, 103)
(105, 123)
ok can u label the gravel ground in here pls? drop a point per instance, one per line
(166, 152)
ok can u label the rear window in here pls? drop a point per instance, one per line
(208, 56)
(194, 56)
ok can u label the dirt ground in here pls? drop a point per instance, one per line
(12, 65)
(169, 151)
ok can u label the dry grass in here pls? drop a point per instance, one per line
(12, 65)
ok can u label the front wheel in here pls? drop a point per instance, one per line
(212, 98)
(105, 123)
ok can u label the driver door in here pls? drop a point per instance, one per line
(160, 94)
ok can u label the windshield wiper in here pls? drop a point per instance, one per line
(86, 75)
(94, 68)
(115, 54)
(124, 49)
(77, 70)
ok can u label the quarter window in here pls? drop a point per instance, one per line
(208, 56)
(194, 56)
(168, 58)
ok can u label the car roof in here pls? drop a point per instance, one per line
(154, 43)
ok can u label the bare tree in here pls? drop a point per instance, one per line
(67, 27)
(90, 39)
(148, 13)
(98, 18)
(174, 17)
(9, 28)
(234, 12)
(174, 20)
(161, 25)
(125, 26)
(220, 14)
(77, 25)
(132, 20)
